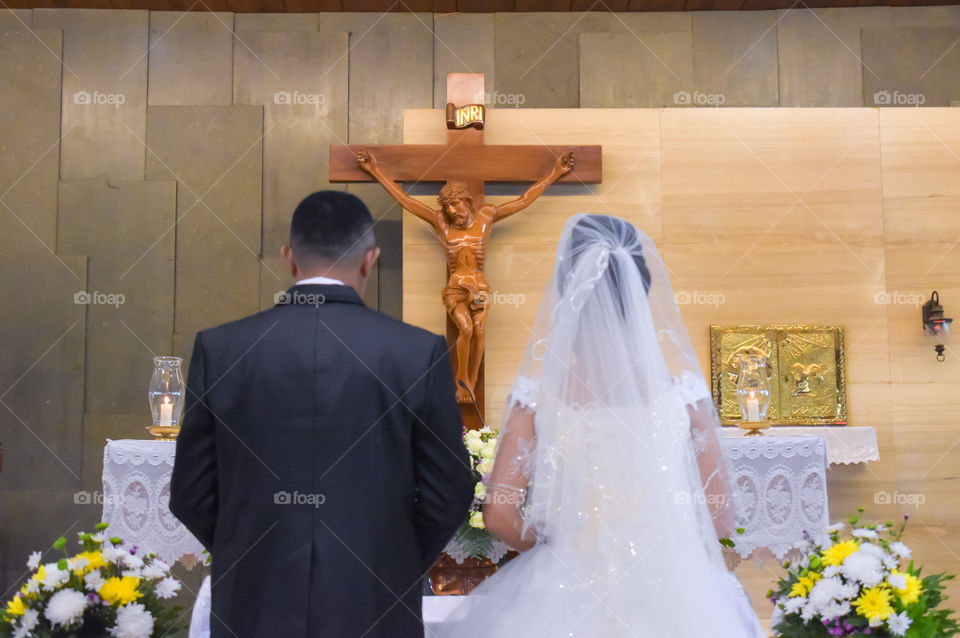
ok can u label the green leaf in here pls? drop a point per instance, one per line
(60, 543)
(101, 526)
(62, 563)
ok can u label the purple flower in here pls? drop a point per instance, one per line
(133, 550)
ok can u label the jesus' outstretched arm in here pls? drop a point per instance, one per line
(367, 162)
(561, 167)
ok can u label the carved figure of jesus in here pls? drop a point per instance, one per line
(463, 231)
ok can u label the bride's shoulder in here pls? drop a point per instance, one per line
(691, 387)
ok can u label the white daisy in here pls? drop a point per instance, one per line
(34, 561)
(33, 586)
(93, 581)
(830, 571)
(825, 591)
(54, 577)
(112, 554)
(153, 572)
(835, 610)
(864, 533)
(133, 621)
(836, 527)
(168, 588)
(890, 562)
(132, 561)
(899, 623)
(900, 549)
(131, 573)
(77, 563)
(794, 605)
(97, 538)
(897, 581)
(65, 607)
(159, 564)
(776, 617)
(31, 618)
(873, 550)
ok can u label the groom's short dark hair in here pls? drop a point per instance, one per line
(328, 226)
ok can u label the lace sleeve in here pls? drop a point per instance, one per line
(525, 393)
(692, 388)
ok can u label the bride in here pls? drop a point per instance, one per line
(609, 475)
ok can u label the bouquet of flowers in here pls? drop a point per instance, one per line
(106, 589)
(472, 540)
(858, 585)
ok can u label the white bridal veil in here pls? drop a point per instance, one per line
(628, 491)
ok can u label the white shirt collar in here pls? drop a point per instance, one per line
(320, 280)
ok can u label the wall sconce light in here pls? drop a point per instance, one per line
(936, 324)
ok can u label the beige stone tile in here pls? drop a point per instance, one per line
(735, 56)
(625, 70)
(191, 58)
(104, 90)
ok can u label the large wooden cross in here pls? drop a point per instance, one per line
(463, 221)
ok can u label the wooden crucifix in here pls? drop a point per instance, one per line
(463, 222)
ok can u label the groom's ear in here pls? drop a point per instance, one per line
(369, 259)
(287, 253)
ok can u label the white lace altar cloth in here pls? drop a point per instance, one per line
(780, 487)
(136, 498)
(845, 444)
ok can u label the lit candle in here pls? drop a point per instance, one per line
(753, 407)
(166, 412)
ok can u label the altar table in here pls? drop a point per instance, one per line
(136, 499)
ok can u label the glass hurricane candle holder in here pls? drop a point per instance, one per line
(166, 397)
(753, 388)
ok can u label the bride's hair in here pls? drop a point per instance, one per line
(614, 233)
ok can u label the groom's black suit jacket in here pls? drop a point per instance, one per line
(321, 463)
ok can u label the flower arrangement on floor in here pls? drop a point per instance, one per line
(860, 586)
(104, 590)
(472, 540)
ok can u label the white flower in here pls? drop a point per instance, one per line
(97, 538)
(131, 573)
(159, 564)
(776, 617)
(899, 623)
(808, 613)
(900, 549)
(486, 466)
(489, 450)
(93, 581)
(133, 621)
(34, 561)
(874, 550)
(480, 491)
(897, 581)
(65, 607)
(33, 586)
(836, 610)
(890, 562)
(28, 623)
(77, 563)
(825, 591)
(794, 605)
(112, 554)
(54, 577)
(132, 561)
(153, 572)
(473, 442)
(864, 533)
(864, 567)
(805, 562)
(836, 527)
(168, 588)
(830, 571)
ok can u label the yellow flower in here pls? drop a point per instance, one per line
(838, 553)
(911, 593)
(121, 590)
(874, 604)
(16, 607)
(804, 585)
(480, 491)
(94, 561)
(486, 466)
(41, 574)
(476, 520)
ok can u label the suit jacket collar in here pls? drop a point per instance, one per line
(316, 294)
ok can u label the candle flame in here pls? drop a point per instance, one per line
(166, 400)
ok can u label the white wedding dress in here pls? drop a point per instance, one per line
(609, 459)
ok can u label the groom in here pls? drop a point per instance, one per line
(320, 459)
